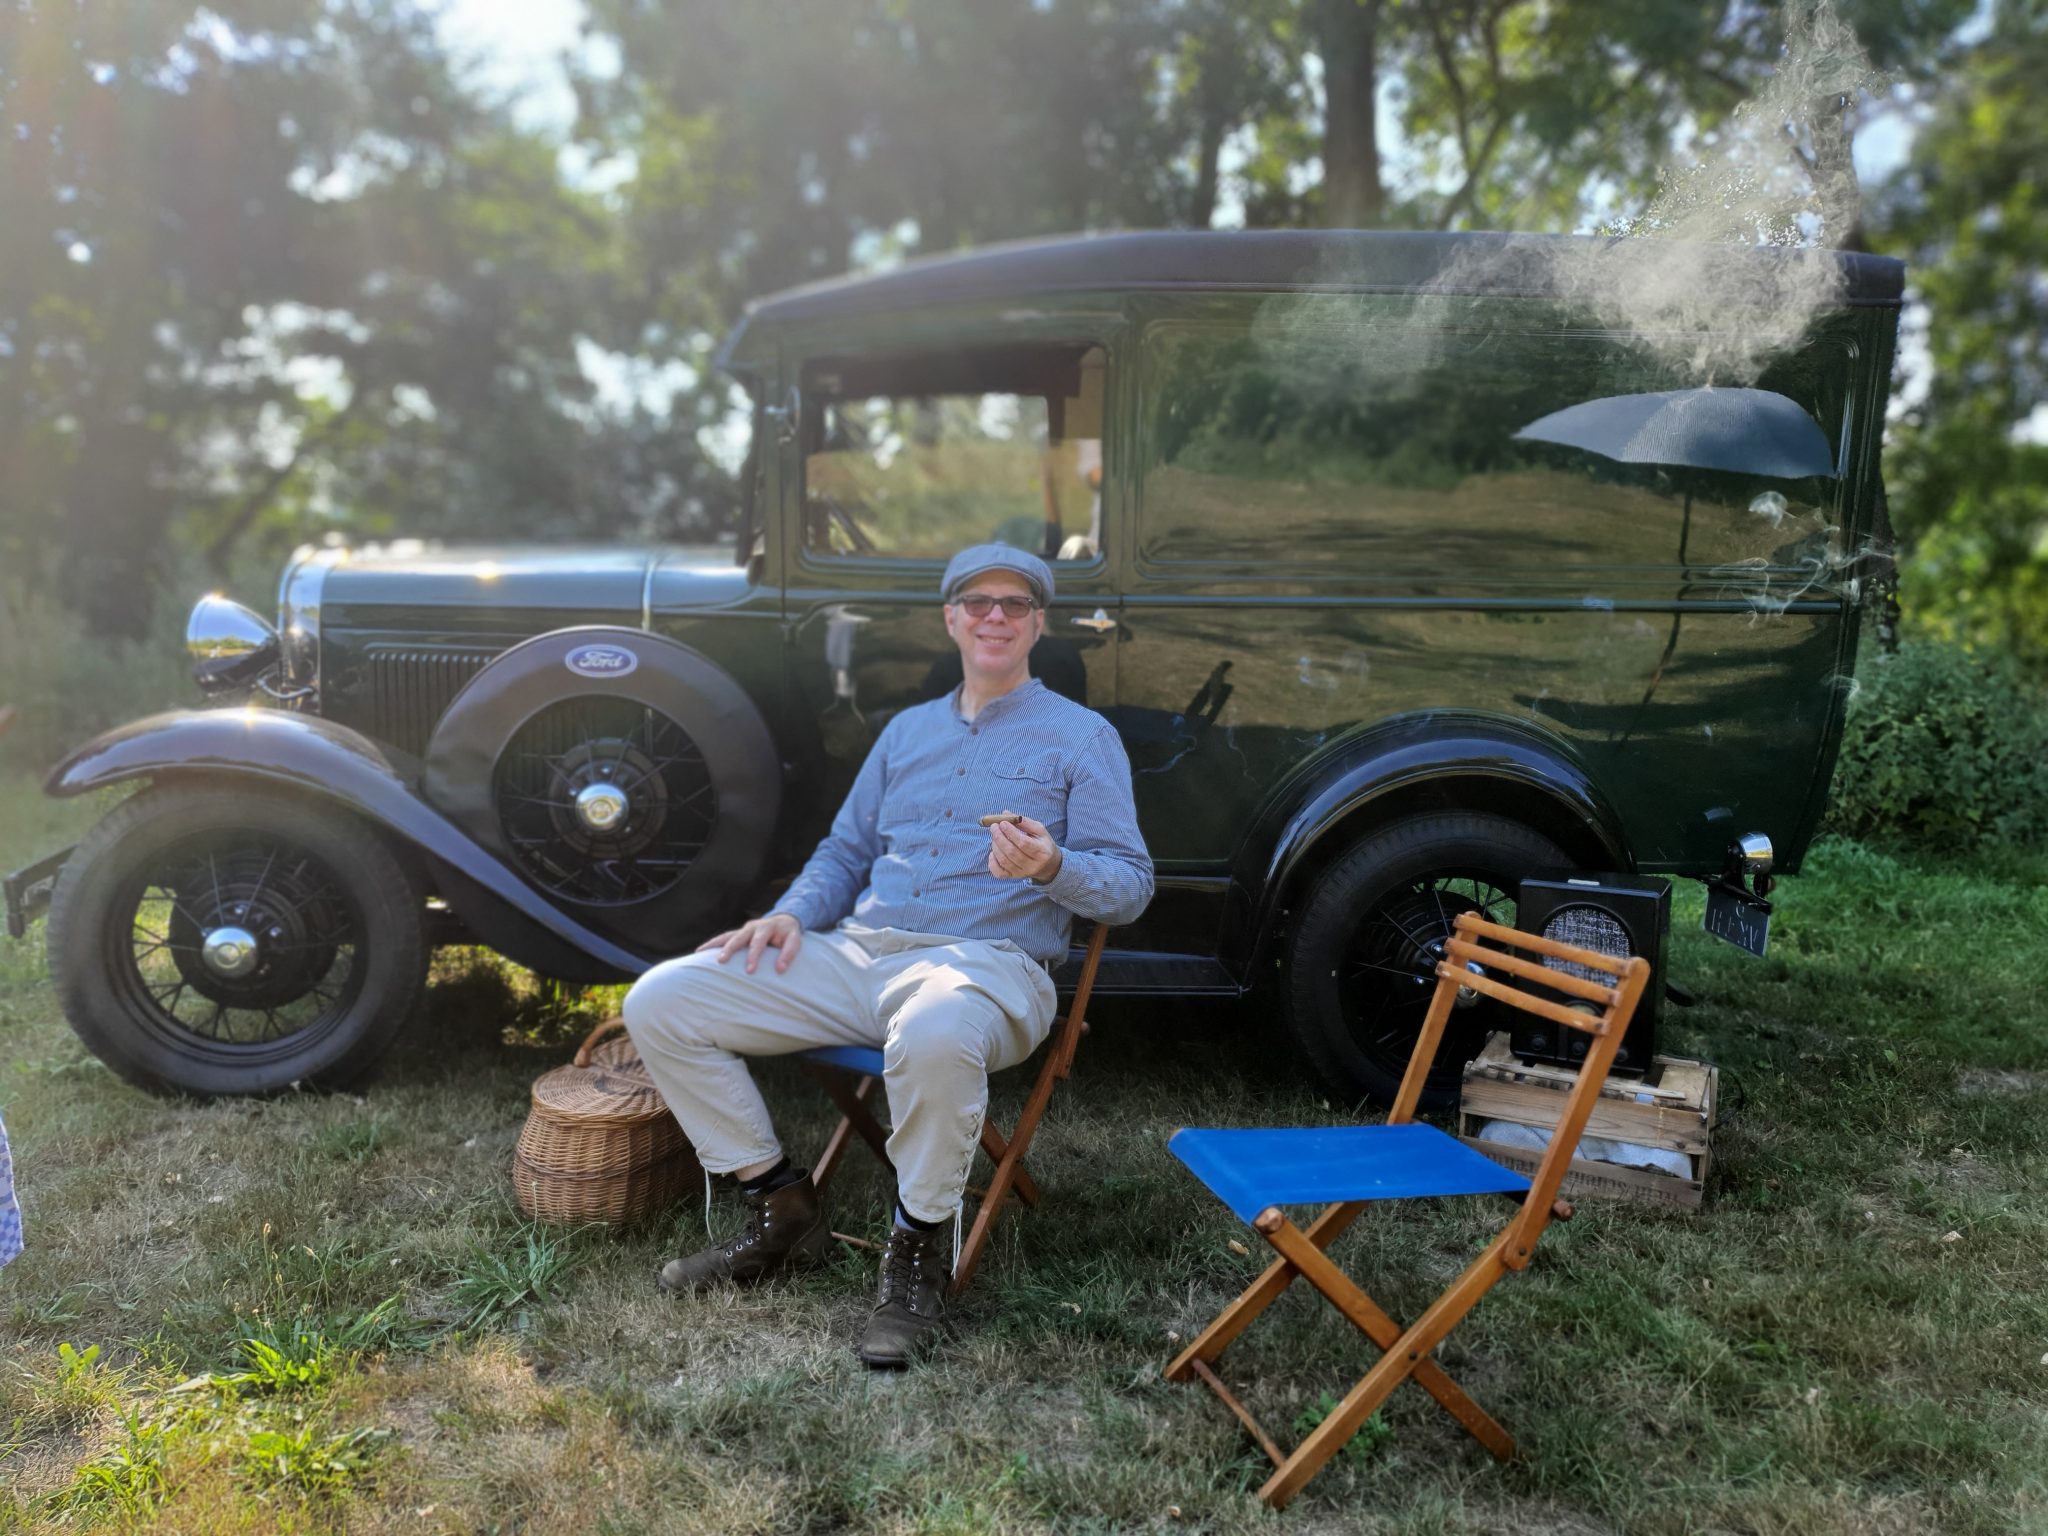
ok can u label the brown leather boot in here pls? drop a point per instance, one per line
(785, 1227)
(911, 1300)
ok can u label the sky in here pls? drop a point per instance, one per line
(515, 48)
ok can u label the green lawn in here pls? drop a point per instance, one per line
(322, 1312)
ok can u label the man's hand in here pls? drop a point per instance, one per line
(778, 930)
(1022, 850)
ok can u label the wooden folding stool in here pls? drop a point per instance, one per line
(851, 1074)
(1256, 1172)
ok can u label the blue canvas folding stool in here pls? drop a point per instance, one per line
(1344, 1168)
(851, 1074)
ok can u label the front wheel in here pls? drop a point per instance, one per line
(214, 940)
(1361, 963)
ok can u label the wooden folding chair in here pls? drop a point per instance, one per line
(851, 1074)
(1256, 1172)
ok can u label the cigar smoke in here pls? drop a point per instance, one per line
(1777, 175)
(1720, 273)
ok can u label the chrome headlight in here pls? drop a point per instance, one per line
(232, 647)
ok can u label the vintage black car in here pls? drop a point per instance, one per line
(1403, 568)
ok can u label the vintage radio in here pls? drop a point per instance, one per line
(1615, 915)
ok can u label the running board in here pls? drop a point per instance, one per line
(1138, 972)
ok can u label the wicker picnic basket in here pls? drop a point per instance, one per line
(599, 1143)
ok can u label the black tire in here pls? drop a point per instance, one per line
(1359, 966)
(341, 952)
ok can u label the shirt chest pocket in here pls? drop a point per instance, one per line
(1034, 784)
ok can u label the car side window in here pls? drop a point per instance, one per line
(913, 457)
(1373, 442)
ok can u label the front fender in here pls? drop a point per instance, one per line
(318, 757)
(1406, 753)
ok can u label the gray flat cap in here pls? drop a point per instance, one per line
(975, 559)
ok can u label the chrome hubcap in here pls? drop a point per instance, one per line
(601, 807)
(229, 951)
(1467, 996)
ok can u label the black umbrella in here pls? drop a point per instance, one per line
(1740, 431)
(1743, 431)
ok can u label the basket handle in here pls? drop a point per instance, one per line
(617, 1021)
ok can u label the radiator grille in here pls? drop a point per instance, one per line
(411, 689)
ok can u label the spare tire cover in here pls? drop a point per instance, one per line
(624, 775)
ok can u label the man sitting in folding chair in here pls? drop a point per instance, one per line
(1256, 1172)
(923, 925)
(849, 1074)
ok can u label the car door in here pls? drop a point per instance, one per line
(907, 452)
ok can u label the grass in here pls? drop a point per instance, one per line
(324, 1312)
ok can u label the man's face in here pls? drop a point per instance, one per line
(994, 647)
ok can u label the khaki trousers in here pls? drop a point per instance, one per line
(945, 1012)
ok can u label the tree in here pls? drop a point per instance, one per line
(1523, 114)
(265, 268)
(1969, 469)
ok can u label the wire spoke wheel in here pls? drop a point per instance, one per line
(1389, 972)
(604, 801)
(1362, 959)
(215, 938)
(238, 938)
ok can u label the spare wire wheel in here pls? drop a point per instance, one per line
(604, 801)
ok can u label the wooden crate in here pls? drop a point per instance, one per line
(1671, 1107)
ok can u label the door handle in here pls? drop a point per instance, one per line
(1099, 621)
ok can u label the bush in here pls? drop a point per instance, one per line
(68, 684)
(1944, 747)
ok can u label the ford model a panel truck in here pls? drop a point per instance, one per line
(1406, 567)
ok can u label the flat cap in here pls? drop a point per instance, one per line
(975, 559)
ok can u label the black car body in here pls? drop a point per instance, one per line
(1376, 652)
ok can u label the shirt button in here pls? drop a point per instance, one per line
(974, 730)
(935, 853)
(949, 815)
(961, 771)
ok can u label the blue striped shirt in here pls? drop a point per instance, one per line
(908, 851)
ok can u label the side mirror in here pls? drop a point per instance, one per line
(232, 647)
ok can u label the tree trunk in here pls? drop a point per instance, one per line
(1208, 156)
(116, 529)
(1347, 36)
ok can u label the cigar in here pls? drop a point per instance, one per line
(1010, 816)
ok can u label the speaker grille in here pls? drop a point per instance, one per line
(1587, 927)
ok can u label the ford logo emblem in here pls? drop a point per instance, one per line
(601, 661)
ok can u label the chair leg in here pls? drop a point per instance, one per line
(1329, 1437)
(842, 1135)
(1214, 1383)
(853, 1104)
(1366, 1315)
(1009, 1170)
(1260, 1294)
(993, 1144)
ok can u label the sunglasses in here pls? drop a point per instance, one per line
(978, 604)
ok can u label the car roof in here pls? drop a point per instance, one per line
(1295, 260)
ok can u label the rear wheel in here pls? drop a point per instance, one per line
(214, 940)
(1362, 958)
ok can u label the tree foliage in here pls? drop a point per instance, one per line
(264, 264)
(1970, 468)
(268, 268)
(1946, 750)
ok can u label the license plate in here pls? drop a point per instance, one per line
(1743, 921)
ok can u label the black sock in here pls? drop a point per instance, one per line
(909, 1220)
(775, 1178)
